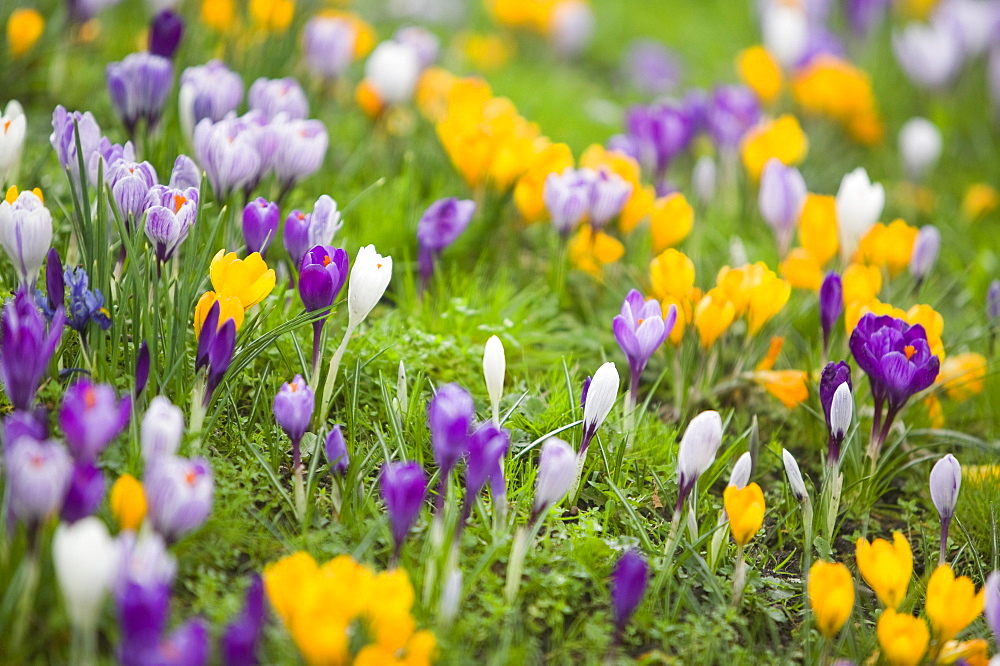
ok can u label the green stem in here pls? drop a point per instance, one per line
(331, 375)
(739, 576)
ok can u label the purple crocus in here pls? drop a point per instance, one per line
(781, 198)
(658, 133)
(185, 174)
(833, 376)
(567, 198)
(146, 573)
(898, 362)
(26, 348)
(103, 156)
(165, 32)
(300, 151)
(305, 230)
(92, 416)
(442, 223)
(208, 91)
(831, 305)
(322, 274)
(336, 451)
(260, 225)
(130, 184)
(487, 447)
(218, 354)
(178, 494)
(328, 45)
(651, 67)
(640, 328)
(139, 86)
(449, 416)
(274, 97)
(38, 474)
(732, 111)
(85, 492)
(609, 193)
(54, 299)
(628, 585)
(863, 15)
(85, 304)
(404, 485)
(993, 301)
(170, 215)
(228, 152)
(17, 424)
(293, 409)
(141, 369)
(945, 481)
(239, 640)
(925, 252)
(64, 138)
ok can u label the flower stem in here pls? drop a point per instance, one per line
(317, 348)
(739, 576)
(331, 375)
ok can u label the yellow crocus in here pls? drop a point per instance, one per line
(272, 15)
(933, 324)
(486, 52)
(782, 139)
(902, 637)
(831, 596)
(835, 88)
(760, 72)
(980, 199)
(685, 311)
(952, 603)
(854, 311)
(745, 507)
(767, 298)
(24, 28)
(671, 274)
(432, 92)
(818, 227)
(591, 251)
(596, 156)
(788, 386)
(670, 220)
(802, 270)
(886, 568)
(888, 246)
(285, 580)
(367, 99)
(530, 188)
(972, 653)
(128, 502)
(713, 316)
(962, 375)
(861, 283)
(218, 14)
(420, 651)
(637, 208)
(230, 307)
(981, 474)
(736, 283)
(249, 280)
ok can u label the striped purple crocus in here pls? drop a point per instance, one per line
(640, 328)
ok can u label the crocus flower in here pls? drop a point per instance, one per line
(449, 417)
(859, 206)
(494, 368)
(64, 138)
(794, 474)
(127, 500)
(919, 147)
(103, 156)
(946, 479)
(886, 568)
(170, 216)
(556, 475)
(328, 44)
(423, 41)
(54, 299)
(139, 86)
(785, 31)
(85, 304)
(26, 235)
(260, 225)
(273, 97)
(567, 198)
(442, 223)
(628, 585)
(300, 151)
(600, 397)
(85, 558)
(731, 112)
(831, 304)
(179, 494)
(248, 280)
(838, 405)
(704, 179)
(141, 369)
(925, 252)
(392, 70)
(26, 348)
(91, 417)
(165, 32)
(952, 603)
(991, 605)
(929, 54)
(655, 135)
(336, 451)
(85, 492)
(863, 15)
(781, 198)
(240, 637)
(162, 429)
(903, 639)
(146, 573)
(208, 91)
(13, 127)
(322, 274)
(699, 444)
(219, 354)
(488, 445)
(370, 277)
(303, 231)
(38, 475)
(404, 485)
(608, 194)
(640, 328)
(740, 476)
(293, 409)
(651, 67)
(745, 508)
(185, 174)
(229, 154)
(831, 596)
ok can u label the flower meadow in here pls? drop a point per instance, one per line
(500, 331)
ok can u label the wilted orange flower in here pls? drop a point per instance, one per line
(773, 349)
(760, 72)
(818, 227)
(782, 139)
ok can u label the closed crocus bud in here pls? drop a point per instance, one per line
(185, 174)
(300, 151)
(740, 475)
(370, 277)
(451, 596)
(487, 447)
(178, 494)
(925, 251)
(794, 475)
(162, 429)
(26, 235)
(831, 596)
(55, 285)
(929, 53)
(449, 416)
(239, 639)
(38, 475)
(991, 603)
(628, 585)
(601, 396)
(13, 128)
(785, 30)
(903, 639)
(128, 502)
(745, 508)
(85, 558)
(273, 97)
(260, 225)
(704, 179)
(219, 354)
(494, 368)
(556, 475)
(886, 568)
(165, 34)
(404, 485)
(697, 451)
(167, 226)
(919, 147)
(841, 412)
(608, 194)
(442, 223)
(336, 451)
(392, 69)
(85, 492)
(945, 481)
(92, 416)
(831, 304)
(139, 86)
(859, 206)
(293, 410)
(567, 198)
(141, 369)
(781, 198)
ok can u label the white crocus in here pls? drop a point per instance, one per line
(392, 70)
(740, 476)
(571, 27)
(794, 475)
(556, 474)
(370, 277)
(697, 451)
(859, 206)
(785, 29)
(601, 398)
(13, 127)
(920, 146)
(26, 235)
(930, 54)
(162, 429)
(494, 368)
(85, 558)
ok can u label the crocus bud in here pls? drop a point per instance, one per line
(38, 475)
(556, 475)
(740, 475)
(794, 475)
(276, 96)
(328, 44)
(449, 416)
(841, 412)
(608, 194)
(930, 54)
(92, 416)
(26, 235)
(165, 34)
(139, 86)
(601, 396)
(628, 585)
(55, 285)
(442, 223)
(919, 147)
(85, 558)
(162, 429)
(207, 91)
(991, 603)
(229, 153)
(239, 639)
(993, 300)
(142, 594)
(85, 492)
(925, 251)
(26, 348)
(370, 277)
(336, 451)
(704, 179)
(141, 369)
(831, 304)
(745, 508)
(404, 485)
(128, 502)
(219, 355)
(260, 224)
(494, 368)
(831, 596)
(696, 454)
(293, 410)
(781, 198)
(859, 206)
(392, 69)
(13, 126)
(785, 30)
(322, 274)
(487, 447)
(946, 479)
(178, 494)
(834, 376)
(185, 174)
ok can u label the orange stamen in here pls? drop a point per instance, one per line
(909, 350)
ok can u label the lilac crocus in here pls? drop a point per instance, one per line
(609, 193)
(864, 15)
(322, 274)
(239, 639)
(26, 348)
(991, 603)
(336, 451)
(165, 32)
(178, 494)
(557, 472)
(103, 156)
(185, 174)
(898, 362)
(732, 111)
(945, 481)
(208, 91)
(658, 133)
(328, 45)
(170, 215)
(487, 447)
(300, 151)
(141, 592)
(628, 585)
(130, 184)
(85, 304)
(441, 224)
(38, 475)
(424, 42)
(139, 86)
(260, 225)
(567, 198)
(925, 252)
(781, 198)
(64, 138)
(651, 67)
(26, 235)
(449, 417)
(141, 369)
(228, 152)
(293, 409)
(85, 492)
(17, 424)
(993, 300)
(831, 305)
(930, 55)
(640, 328)
(276, 96)
(404, 485)
(838, 405)
(91, 417)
